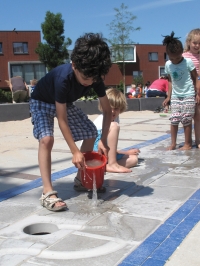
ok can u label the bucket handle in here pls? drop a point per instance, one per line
(86, 174)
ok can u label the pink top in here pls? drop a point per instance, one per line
(195, 59)
(159, 85)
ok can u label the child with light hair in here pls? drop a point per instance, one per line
(119, 161)
(33, 83)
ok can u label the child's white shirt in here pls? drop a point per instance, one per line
(99, 120)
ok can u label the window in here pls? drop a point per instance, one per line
(166, 57)
(153, 56)
(20, 47)
(137, 73)
(1, 50)
(28, 71)
(129, 54)
(161, 71)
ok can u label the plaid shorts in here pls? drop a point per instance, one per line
(183, 109)
(43, 120)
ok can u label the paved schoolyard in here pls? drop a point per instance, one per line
(144, 217)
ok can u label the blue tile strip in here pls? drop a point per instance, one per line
(159, 246)
(34, 184)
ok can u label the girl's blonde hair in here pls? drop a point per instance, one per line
(116, 99)
(189, 38)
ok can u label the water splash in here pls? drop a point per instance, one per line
(94, 202)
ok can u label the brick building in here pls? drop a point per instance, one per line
(18, 57)
(146, 60)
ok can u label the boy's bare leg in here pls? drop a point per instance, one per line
(197, 125)
(44, 158)
(174, 130)
(188, 133)
(112, 141)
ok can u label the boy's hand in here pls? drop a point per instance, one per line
(103, 148)
(78, 160)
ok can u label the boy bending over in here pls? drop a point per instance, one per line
(54, 95)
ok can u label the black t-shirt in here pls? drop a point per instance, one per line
(60, 85)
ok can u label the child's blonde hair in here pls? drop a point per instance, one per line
(34, 82)
(190, 35)
(116, 99)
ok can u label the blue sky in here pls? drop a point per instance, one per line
(155, 17)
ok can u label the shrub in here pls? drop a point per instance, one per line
(5, 96)
(138, 80)
(91, 95)
(120, 87)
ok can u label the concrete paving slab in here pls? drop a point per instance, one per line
(166, 193)
(141, 216)
(178, 181)
(149, 208)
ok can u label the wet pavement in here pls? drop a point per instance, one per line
(147, 217)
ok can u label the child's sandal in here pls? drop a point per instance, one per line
(49, 203)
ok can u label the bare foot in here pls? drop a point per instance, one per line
(172, 147)
(185, 148)
(198, 146)
(116, 168)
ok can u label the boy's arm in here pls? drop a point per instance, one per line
(107, 116)
(78, 158)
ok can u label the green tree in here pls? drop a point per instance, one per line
(120, 29)
(54, 51)
(138, 80)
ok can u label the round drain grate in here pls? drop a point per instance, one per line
(40, 229)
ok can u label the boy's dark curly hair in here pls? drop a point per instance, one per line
(173, 45)
(91, 56)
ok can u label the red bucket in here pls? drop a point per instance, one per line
(93, 171)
